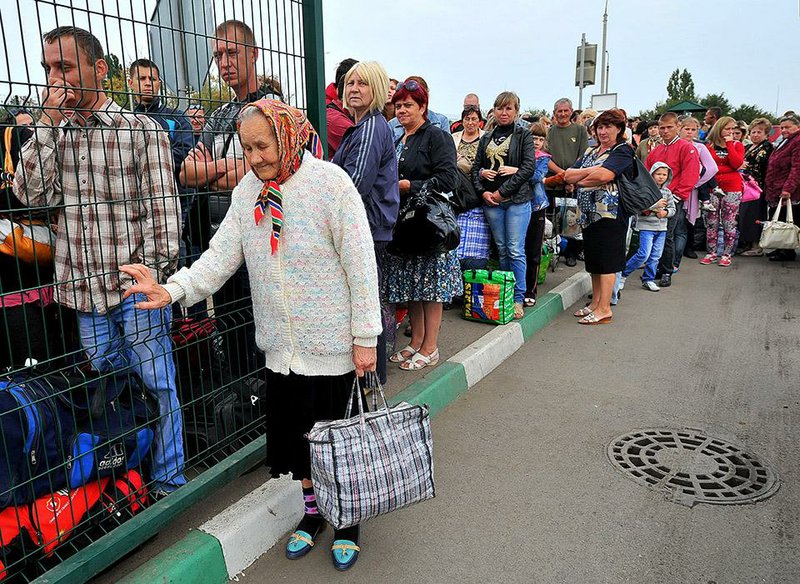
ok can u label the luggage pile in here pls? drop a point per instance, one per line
(73, 455)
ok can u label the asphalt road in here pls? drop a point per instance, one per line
(525, 492)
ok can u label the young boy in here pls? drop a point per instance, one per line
(652, 227)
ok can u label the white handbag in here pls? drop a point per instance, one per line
(781, 234)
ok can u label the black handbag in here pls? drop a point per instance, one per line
(637, 189)
(425, 226)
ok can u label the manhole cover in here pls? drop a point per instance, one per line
(690, 467)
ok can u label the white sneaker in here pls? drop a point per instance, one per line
(650, 285)
(622, 283)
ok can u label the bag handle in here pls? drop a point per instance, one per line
(789, 212)
(778, 211)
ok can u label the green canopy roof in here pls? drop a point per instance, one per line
(687, 106)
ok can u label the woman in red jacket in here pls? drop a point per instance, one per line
(729, 156)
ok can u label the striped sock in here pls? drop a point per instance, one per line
(310, 501)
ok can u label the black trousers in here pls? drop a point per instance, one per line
(534, 238)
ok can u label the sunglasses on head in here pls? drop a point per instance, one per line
(409, 85)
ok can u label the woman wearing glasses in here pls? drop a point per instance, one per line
(424, 154)
(473, 249)
(504, 165)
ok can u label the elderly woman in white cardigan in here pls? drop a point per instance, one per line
(299, 225)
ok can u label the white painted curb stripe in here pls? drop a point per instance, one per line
(489, 351)
(252, 525)
(573, 289)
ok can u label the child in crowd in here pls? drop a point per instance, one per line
(652, 227)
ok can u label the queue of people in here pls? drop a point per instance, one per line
(240, 207)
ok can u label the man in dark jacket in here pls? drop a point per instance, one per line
(144, 79)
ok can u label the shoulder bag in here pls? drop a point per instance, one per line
(750, 191)
(426, 225)
(637, 189)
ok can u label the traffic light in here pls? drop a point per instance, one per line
(589, 61)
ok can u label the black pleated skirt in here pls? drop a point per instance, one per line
(294, 404)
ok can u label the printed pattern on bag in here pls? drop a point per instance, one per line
(489, 296)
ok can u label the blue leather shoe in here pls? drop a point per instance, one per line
(301, 542)
(344, 554)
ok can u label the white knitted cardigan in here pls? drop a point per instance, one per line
(318, 295)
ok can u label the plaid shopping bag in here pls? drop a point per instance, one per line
(373, 463)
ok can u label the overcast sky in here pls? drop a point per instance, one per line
(747, 49)
(744, 48)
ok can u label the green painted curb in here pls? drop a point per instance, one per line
(547, 308)
(107, 550)
(196, 558)
(437, 389)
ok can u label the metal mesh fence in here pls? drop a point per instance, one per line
(119, 147)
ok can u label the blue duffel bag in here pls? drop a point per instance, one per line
(60, 431)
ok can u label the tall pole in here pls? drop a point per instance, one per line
(314, 51)
(603, 72)
(582, 72)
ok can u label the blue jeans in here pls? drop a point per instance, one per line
(509, 225)
(651, 246)
(127, 337)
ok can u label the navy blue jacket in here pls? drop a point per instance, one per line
(176, 123)
(367, 154)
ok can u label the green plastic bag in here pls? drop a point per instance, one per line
(489, 296)
(547, 257)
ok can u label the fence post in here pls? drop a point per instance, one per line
(314, 51)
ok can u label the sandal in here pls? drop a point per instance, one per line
(419, 361)
(529, 301)
(399, 357)
(344, 554)
(592, 319)
(755, 252)
(301, 542)
(585, 311)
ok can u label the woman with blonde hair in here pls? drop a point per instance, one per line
(728, 153)
(503, 167)
(366, 153)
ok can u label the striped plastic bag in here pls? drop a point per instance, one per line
(373, 463)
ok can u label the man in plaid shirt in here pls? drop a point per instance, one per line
(111, 172)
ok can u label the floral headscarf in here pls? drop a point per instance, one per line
(295, 134)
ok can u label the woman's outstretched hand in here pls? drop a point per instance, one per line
(157, 295)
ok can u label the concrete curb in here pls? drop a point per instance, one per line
(235, 538)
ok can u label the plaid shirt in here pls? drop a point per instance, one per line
(475, 235)
(113, 180)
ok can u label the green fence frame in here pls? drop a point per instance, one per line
(104, 552)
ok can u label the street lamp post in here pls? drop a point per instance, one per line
(603, 71)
